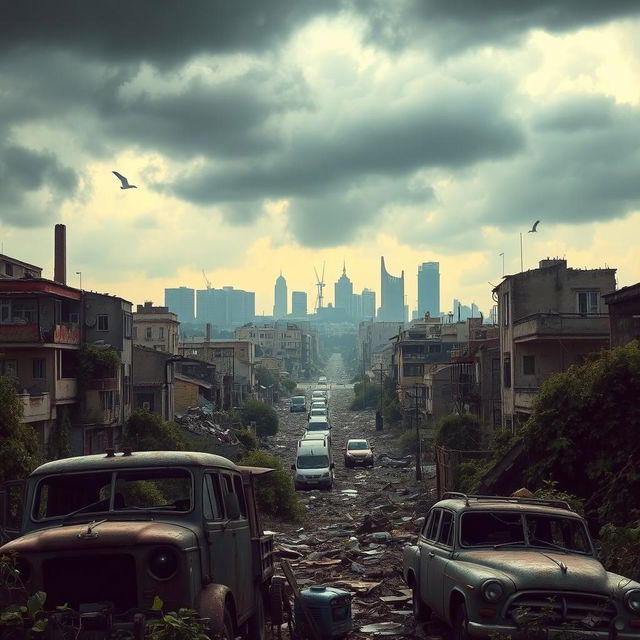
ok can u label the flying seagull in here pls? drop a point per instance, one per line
(532, 230)
(124, 182)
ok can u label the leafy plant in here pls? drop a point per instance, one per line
(264, 415)
(621, 549)
(275, 494)
(184, 624)
(460, 432)
(59, 438)
(146, 431)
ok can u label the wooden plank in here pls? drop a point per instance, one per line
(309, 621)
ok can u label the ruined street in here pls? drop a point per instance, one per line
(353, 536)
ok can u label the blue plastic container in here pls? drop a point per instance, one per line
(330, 610)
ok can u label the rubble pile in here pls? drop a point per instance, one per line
(201, 422)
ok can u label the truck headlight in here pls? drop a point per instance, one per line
(325, 475)
(23, 569)
(492, 590)
(163, 564)
(632, 600)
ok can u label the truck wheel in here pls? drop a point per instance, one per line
(228, 626)
(420, 611)
(257, 624)
(460, 623)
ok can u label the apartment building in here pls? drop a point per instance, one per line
(156, 328)
(550, 318)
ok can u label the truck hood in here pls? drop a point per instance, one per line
(72, 537)
(543, 569)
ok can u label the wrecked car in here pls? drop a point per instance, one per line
(109, 535)
(497, 565)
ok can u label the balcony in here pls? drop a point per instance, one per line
(66, 390)
(36, 407)
(32, 333)
(103, 384)
(565, 326)
(524, 397)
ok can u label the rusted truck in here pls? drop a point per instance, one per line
(109, 535)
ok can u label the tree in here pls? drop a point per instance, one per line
(262, 414)
(146, 431)
(19, 453)
(584, 433)
(459, 432)
(59, 445)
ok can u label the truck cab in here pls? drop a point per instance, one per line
(108, 534)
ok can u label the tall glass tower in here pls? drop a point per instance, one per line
(429, 289)
(280, 298)
(392, 296)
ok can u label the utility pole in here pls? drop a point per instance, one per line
(418, 448)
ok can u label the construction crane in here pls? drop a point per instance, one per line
(206, 280)
(320, 285)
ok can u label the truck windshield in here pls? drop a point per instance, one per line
(484, 528)
(313, 462)
(71, 495)
(318, 426)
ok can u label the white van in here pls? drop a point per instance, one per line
(321, 425)
(313, 468)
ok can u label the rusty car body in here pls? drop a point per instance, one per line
(498, 566)
(107, 535)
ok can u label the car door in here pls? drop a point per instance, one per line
(426, 544)
(438, 558)
(221, 540)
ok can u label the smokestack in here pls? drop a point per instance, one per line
(60, 254)
(208, 338)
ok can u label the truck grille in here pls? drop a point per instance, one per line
(89, 579)
(573, 609)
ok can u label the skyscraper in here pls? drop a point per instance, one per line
(298, 304)
(181, 301)
(392, 296)
(280, 298)
(226, 307)
(368, 302)
(429, 289)
(343, 293)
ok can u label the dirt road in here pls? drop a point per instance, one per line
(353, 535)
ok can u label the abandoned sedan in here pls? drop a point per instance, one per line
(495, 565)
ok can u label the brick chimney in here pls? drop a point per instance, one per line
(60, 254)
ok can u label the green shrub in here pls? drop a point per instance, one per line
(264, 415)
(391, 412)
(146, 431)
(248, 440)
(407, 442)
(275, 493)
(621, 549)
(367, 395)
(460, 432)
(289, 385)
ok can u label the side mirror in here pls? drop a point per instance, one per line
(232, 506)
(293, 467)
(332, 465)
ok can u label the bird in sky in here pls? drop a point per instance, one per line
(123, 181)
(532, 230)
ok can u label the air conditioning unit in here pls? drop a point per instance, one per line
(146, 405)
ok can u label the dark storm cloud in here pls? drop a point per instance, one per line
(451, 26)
(456, 130)
(583, 166)
(159, 31)
(23, 174)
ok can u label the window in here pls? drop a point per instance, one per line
(107, 400)
(588, 301)
(445, 536)
(135, 333)
(529, 365)
(8, 367)
(431, 528)
(505, 309)
(8, 269)
(103, 323)
(5, 311)
(161, 333)
(39, 368)
(506, 371)
(148, 333)
(128, 325)
(412, 370)
(24, 312)
(212, 497)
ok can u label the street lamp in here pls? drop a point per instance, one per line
(415, 397)
(79, 273)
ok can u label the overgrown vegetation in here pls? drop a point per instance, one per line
(146, 431)
(95, 361)
(60, 437)
(275, 493)
(263, 414)
(459, 431)
(367, 394)
(19, 453)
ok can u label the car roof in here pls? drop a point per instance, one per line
(357, 440)
(466, 503)
(136, 460)
(317, 419)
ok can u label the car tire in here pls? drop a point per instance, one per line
(228, 632)
(420, 610)
(460, 623)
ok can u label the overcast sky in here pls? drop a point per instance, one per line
(283, 135)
